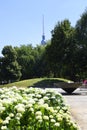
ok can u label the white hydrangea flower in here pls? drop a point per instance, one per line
(35, 99)
(20, 108)
(38, 96)
(11, 115)
(31, 95)
(1, 90)
(24, 101)
(2, 109)
(45, 98)
(50, 109)
(3, 127)
(41, 102)
(59, 117)
(57, 124)
(52, 120)
(39, 117)
(18, 97)
(40, 121)
(29, 105)
(31, 109)
(45, 117)
(38, 113)
(6, 122)
(7, 101)
(19, 114)
(58, 107)
(31, 101)
(17, 118)
(8, 118)
(51, 116)
(45, 105)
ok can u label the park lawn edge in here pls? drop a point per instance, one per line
(31, 82)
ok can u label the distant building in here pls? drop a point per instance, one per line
(43, 42)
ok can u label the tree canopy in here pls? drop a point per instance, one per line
(64, 55)
(61, 51)
(10, 69)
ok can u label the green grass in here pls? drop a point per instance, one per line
(37, 82)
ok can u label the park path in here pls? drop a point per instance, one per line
(78, 107)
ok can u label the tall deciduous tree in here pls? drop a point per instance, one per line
(60, 52)
(26, 60)
(32, 60)
(40, 67)
(10, 68)
(81, 36)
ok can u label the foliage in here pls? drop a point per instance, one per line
(60, 52)
(81, 36)
(34, 109)
(32, 61)
(25, 58)
(64, 55)
(10, 69)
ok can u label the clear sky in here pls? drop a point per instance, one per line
(21, 20)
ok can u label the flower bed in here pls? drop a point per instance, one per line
(34, 109)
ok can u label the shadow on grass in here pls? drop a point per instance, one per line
(46, 83)
(50, 83)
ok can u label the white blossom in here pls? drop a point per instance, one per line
(57, 124)
(45, 117)
(38, 113)
(52, 120)
(3, 127)
(39, 117)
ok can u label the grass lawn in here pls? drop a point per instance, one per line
(36, 82)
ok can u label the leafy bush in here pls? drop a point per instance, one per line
(34, 109)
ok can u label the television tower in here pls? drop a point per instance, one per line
(43, 35)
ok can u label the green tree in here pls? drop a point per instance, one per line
(81, 36)
(10, 68)
(32, 60)
(40, 67)
(81, 30)
(60, 53)
(1, 78)
(26, 60)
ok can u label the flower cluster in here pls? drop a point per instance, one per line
(34, 109)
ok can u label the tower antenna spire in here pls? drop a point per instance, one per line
(43, 34)
(43, 24)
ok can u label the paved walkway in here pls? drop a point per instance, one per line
(78, 107)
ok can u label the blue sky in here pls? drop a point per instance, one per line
(21, 20)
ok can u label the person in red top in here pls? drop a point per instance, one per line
(85, 82)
